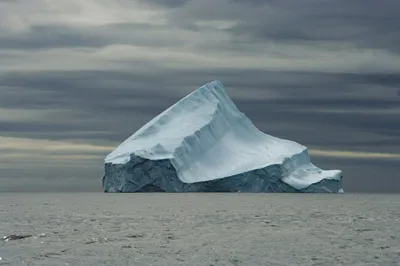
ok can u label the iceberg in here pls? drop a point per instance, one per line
(203, 143)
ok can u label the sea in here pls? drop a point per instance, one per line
(207, 229)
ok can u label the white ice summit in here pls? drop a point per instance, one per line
(203, 143)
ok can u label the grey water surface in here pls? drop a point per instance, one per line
(199, 229)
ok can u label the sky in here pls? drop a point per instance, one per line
(79, 77)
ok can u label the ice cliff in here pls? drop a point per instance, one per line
(203, 143)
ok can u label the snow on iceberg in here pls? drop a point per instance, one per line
(203, 143)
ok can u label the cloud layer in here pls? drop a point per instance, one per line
(84, 75)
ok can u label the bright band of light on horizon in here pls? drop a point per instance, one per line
(15, 148)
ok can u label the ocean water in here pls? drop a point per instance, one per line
(199, 229)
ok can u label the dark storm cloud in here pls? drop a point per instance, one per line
(42, 37)
(62, 36)
(363, 24)
(368, 24)
(166, 3)
(352, 124)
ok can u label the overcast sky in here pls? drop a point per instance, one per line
(78, 77)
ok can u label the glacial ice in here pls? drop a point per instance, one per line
(204, 143)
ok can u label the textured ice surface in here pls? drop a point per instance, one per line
(204, 143)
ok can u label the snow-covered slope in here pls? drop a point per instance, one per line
(205, 137)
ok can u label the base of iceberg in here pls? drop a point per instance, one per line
(203, 143)
(143, 175)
